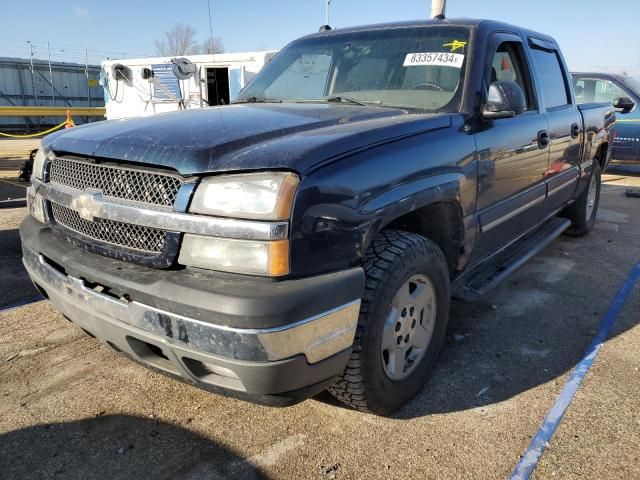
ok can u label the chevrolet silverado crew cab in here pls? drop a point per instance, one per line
(311, 235)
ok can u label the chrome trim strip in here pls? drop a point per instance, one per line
(166, 220)
(587, 164)
(317, 337)
(572, 182)
(513, 213)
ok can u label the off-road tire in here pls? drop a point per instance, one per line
(581, 223)
(393, 257)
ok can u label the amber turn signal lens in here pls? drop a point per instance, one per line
(285, 197)
(278, 258)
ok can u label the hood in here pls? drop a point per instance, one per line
(244, 137)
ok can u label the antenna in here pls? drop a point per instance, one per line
(438, 8)
(210, 28)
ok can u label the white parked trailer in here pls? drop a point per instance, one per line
(145, 86)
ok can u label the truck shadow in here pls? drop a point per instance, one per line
(117, 447)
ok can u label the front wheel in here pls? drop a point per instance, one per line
(403, 319)
(584, 211)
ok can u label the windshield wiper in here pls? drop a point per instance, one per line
(347, 100)
(258, 100)
(337, 99)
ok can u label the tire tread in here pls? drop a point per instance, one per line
(386, 250)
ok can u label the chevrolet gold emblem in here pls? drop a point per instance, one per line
(87, 204)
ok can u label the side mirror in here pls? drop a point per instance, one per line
(624, 104)
(504, 100)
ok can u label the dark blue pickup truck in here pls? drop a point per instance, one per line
(623, 92)
(311, 235)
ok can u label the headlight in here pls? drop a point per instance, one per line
(35, 204)
(266, 196)
(256, 196)
(38, 162)
(238, 256)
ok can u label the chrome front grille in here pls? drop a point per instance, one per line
(133, 237)
(145, 188)
(123, 183)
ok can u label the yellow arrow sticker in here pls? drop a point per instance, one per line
(455, 45)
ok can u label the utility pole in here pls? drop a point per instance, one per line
(327, 4)
(53, 95)
(33, 81)
(438, 8)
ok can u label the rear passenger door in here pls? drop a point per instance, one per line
(564, 120)
(512, 154)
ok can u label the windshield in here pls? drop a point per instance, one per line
(419, 68)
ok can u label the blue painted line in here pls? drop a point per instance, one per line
(539, 443)
(21, 303)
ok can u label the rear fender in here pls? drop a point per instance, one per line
(597, 141)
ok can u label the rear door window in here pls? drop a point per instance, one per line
(551, 78)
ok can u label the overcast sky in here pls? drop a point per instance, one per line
(590, 32)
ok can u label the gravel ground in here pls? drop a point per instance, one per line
(71, 408)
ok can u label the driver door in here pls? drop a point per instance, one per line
(513, 154)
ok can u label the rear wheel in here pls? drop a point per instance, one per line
(402, 323)
(584, 211)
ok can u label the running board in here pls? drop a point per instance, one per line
(473, 284)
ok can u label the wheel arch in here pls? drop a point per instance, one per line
(440, 221)
(434, 207)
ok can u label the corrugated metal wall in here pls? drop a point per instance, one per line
(70, 89)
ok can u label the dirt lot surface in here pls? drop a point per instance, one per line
(72, 408)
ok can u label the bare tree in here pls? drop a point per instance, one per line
(212, 45)
(180, 40)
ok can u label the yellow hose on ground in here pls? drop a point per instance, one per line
(31, 135)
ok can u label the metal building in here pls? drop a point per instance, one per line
(29, 83)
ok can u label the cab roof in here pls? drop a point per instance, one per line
(481, 25)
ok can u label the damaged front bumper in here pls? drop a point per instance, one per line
(274, 362)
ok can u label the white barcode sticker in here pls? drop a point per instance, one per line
(434, 58)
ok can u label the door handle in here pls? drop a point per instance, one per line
(575, 130)
(543, 139)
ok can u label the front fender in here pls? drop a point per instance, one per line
(340, 208)
(414, 195)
